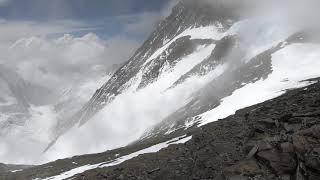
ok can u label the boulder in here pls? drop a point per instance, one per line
(244, 168)
(282, 163)
(287, 147)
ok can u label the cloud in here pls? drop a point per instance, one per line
(3, 2)
(65, 63)
(66, 56)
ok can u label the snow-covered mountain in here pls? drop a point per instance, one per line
(202, 63)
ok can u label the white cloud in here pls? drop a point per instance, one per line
(64, 63)
(61, 64)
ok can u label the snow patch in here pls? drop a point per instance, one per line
(152, 149)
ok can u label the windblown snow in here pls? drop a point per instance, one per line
(134, 111)
(119, 160)
(131, 113)
(70, 68)
(291, 66)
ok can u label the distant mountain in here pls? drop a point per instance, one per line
(200, 54)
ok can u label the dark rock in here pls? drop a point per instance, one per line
(281, 163)
(253, 151)
(286, 117)
(313, 161)
(286, 177)
(237, 177)
(300, 143)
(292, 127)
(154, 170)
(267, 121)
(244, 168)
(287, 147)
(217, 148)
(312, 132)
(299, 175)
(263, 145)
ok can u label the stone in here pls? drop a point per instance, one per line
(238, 177)
(285, 177)
(267, 121)
(263, 146)
(312, 132)
(300, 143)
(312, 161)
(299, 175)
(292, 127)
(286, 117)
(253, 151)
(282, 163)
(287, 147)
(247, 167)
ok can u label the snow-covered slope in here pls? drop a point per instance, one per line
(201, 64)
(183, 77)
(118, 160)
(193, 60)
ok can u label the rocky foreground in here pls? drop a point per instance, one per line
(277, 139)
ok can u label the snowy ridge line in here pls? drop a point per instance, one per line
(291, 66)
(151, 149)
(204, 32)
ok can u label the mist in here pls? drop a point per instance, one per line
(72, 59)
(66, 55)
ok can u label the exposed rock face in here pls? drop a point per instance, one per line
(170, 57)
(185, 15)
(209, 97)
(218, 56)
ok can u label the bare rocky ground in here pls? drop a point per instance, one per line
(277, 140)
(8, 168)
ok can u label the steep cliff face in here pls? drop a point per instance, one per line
(199, 56)
(188, 82)
(179, 35)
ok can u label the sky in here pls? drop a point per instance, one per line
(67, 47)
(75, 9)
(107, 17)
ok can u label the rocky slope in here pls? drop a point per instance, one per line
(201, 64)
(201, 53)
(195, 68)
(276, 139)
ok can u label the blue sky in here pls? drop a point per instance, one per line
(106, 18)
(133, 19)
(75, 9)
